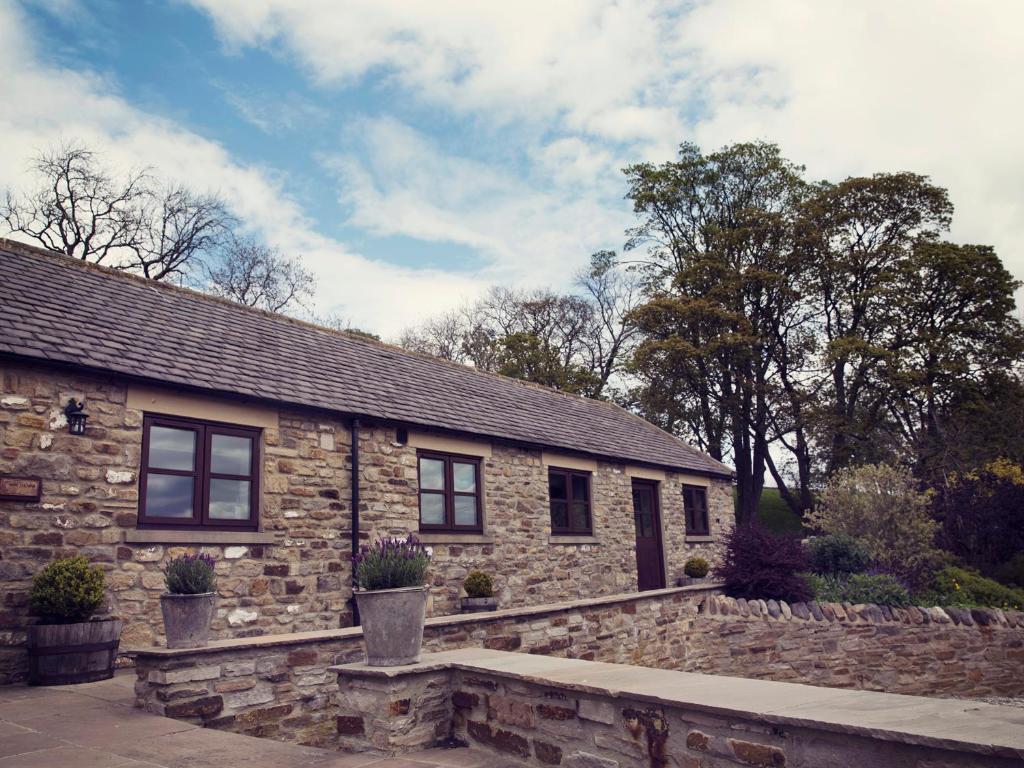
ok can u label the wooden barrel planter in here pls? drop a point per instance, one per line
(63, 654)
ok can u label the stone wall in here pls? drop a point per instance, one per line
(299, 580)
(558, 712)
(918, 651)
(280, 686)
(295, 575)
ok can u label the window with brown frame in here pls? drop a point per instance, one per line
(695, 504)
(449, 492)
(569, 494)
(198, 474)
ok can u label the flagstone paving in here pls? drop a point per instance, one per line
(96, 725)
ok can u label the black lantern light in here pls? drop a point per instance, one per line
(76, 417)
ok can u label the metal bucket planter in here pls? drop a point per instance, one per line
(479, 604)
(187, 619)
(64, 654)
(392, 621)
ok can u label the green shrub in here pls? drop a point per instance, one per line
(877, 588)
(391, 564)
(1012, 571)
(190, 575)
(882, 508)
(478, 584)
(968, 588)
(696, 567)
(838, 553)
(67, 591)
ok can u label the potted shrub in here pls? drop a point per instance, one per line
(390, 576)
(695, 570)
(479, 593)
(66, 646)
(189, 601)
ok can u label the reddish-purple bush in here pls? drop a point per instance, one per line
(760, 564)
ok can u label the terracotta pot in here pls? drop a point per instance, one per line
(187, 619)
(63, 654)
(392, 621)
(479, 604)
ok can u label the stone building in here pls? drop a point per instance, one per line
(214, 426)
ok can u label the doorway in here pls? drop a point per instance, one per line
(650, 566)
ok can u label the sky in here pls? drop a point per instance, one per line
(414, 153)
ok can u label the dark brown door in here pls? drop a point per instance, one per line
(649, 568)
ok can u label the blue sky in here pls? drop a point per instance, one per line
(414, 153)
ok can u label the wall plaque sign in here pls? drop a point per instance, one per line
(20, 488)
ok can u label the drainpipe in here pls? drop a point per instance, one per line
(355, 514)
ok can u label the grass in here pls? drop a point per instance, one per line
(774, 515)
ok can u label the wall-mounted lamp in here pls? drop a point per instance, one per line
(76, 417)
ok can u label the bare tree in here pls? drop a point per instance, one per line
(177, 229)
(79, 209)
(613, 294)
(133, 223)
(258, 276)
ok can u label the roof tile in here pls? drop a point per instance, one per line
(52, 307)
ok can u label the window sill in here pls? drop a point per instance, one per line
(440, 537)
(559, 538)
(692, 539)
(198, 537)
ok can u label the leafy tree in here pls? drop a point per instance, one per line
(722, 281)
(524, 356)
(981, 514)
(881, 507)
(567, 341)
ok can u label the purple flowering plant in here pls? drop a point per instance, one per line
(391, 563)
(190, 574)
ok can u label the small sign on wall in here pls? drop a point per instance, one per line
(20, 488)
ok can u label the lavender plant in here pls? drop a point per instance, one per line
(190, 574)
(391, 563)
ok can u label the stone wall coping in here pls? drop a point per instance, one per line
(722, 607)
(315, 636)
(971, 726)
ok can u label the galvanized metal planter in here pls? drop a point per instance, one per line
(479, 604)
(392, 621)
(187, 619)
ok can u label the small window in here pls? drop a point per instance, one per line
(449, 492)
(695, 504)
(569, 493)
(198, 474)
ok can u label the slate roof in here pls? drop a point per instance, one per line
(57, 309)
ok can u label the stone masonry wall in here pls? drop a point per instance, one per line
(556, 715)
(916, 651)
(90, 500)
(301, 579)
(281, 686)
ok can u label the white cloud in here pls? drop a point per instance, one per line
(846, 88)
(396, 181)
(44, 105)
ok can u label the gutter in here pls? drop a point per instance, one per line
(355, 515)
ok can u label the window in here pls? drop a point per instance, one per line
(449, 492)
(198, 474)
(569, 491)
(695, 503)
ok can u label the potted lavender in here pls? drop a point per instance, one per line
(188, 603)
(390, 577)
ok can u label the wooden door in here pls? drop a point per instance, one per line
(649, 564)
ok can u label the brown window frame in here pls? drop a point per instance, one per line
(569, 474)
(689, 511)
(449, 493)
(201, 474)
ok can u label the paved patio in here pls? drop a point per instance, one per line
(97, 726)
